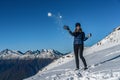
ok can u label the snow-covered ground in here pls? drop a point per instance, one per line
(103, 61)
(103, 65)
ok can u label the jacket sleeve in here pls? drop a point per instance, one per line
(72, 33)
(84, 37)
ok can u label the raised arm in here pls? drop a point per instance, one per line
(68, 29)
(71, 33)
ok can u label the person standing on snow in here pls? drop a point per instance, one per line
(79, 38)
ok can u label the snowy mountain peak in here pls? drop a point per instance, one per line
(8, 51)
(47, 50)
(50, 51)
(44, 50)
(37, 52)
(29, 52)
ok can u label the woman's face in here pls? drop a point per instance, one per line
(78, 27)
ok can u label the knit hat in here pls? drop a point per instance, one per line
(77, 24)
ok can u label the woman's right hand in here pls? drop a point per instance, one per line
(66, 27)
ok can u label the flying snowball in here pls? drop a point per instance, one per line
(49, 14)
(60, 17)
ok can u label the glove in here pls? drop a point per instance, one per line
(66, 27)
(89, 35)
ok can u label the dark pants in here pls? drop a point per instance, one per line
(78, 51)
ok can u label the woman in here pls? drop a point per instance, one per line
(79, 38)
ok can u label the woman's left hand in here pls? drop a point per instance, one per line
(89, 35)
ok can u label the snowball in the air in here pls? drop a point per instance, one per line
(49, 14)
(60, 16)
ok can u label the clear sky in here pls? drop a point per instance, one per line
(25, 24)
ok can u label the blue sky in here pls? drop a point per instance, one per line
(24, 24)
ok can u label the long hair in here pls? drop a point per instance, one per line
(80, 30)
(78, 24)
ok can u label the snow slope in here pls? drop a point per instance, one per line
(103, 61)
(111, 40)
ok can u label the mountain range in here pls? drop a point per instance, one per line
(44, 53)
(16, 65)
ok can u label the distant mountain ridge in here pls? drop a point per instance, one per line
(44, 53)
